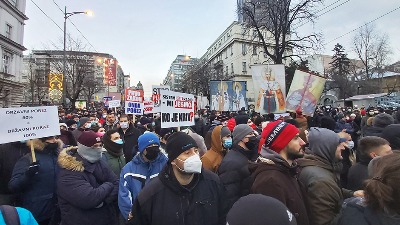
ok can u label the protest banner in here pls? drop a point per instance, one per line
(106, 99)
(156, 96)
(18, 124)
(114, 103)
(148, 107)
(269, 88)
(177, 109)
(134, 108)
(228, 95)
(304, 92)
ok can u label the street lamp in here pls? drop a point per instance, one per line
(66, 16)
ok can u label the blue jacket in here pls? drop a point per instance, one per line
(133, 178)
(25, 217)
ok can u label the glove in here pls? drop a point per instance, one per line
(33, 169)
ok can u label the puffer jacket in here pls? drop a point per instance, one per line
(320, 175)
(87, 192)
(274, 177)
(38, 191)
(213, 157)
(134, 176)
(165, 201)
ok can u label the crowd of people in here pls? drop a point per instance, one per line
(340, 166)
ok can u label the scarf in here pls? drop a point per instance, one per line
(90, 154)
(112, 148)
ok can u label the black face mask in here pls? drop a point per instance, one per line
(52, 146)
(152, 152)
(252, 144)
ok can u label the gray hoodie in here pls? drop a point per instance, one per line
(323, 143)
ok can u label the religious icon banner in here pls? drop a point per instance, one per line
(227, 95)
(304, 93)
(269, 88)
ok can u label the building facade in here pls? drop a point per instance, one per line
(12, 21)
(178, 68)
(101, 72)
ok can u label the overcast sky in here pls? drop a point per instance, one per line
(145, 36)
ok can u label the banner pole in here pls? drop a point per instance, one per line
(33, 152)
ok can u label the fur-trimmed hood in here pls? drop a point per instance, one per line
(39, 145)
(67, 160)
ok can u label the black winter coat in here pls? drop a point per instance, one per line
(373, 131)
(10, 153)
(130, 138)
(165, 201)
(38, 191)
(87, 192)
(358, 173)
(235, 175)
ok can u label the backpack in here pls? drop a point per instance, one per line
(10, 215)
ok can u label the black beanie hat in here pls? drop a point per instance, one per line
(178, 143)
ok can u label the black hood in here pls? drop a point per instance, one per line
(392, 134)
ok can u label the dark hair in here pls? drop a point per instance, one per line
(328, 123)
(382, 192)
(367, 144)
(124, 116)
(293, 122)
(108, 133)
(258, 120)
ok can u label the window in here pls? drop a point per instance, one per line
(6, 62)
(231, 49)
(244, 67)
(254, 49)
(244, 49)
(232, 68)
(13, 2)
(227, 72)
(226, 54)
(8, 31)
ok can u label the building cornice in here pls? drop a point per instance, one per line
(14, 9)
(11, 42)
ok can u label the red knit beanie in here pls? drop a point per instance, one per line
(276, 135)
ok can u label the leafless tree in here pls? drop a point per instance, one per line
(275, 25)
(373, 50)
(38, 87)
(92, 86)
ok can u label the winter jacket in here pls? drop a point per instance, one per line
(358, 173)
(199, 126)
(87, 192)
(130, 137)
(320, 175)
(134, 176)
(235, 175)
(213, 157)
(38, 191)
(274, 177)
(10, 153)
(341, 125)
(356, 212)
(373, 131)
(116, 163)
(165, 201)
(25, 217)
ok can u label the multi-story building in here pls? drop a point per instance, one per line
(178, 67)
(101, 70)
(12, 21)
(233, 53)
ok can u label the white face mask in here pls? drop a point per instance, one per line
(88, 125)
(350, 144)
(124, 125)
(191, 165)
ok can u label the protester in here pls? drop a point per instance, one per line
(87, 188)
(36, 181)
(380, 205)
(392, 134)
(111, 122)
(369, 148)
(112, 151)
(221, 141)
(10, 215)
(200, 143)
(84, 124)
(276, 173)
(66, 136)
(233, 171)
(183, 193)
(364, 125)
(137, 173)
(257, 209)
(321, 168)
(342, 125)
(129, 134)
(379, 123)
(144, 124)
(10, 153)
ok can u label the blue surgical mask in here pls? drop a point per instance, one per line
(23, 141)
(119, 141)
(227, 143)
